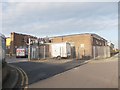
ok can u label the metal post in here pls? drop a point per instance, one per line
(38, 51)
(44, 52)
(29, 53)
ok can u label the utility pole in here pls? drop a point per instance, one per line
(29, 53)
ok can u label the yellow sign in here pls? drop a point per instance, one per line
(8, 41)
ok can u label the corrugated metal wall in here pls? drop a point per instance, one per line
(101, 52)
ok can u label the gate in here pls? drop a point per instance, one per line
(39, 52)
(101, 52)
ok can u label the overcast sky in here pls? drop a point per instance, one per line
(61, 18)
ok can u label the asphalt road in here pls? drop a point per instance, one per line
(95, 74)
(37, 71)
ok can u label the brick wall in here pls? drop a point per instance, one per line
(17, 40)
(82, 43)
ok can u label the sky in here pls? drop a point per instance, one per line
(43, 19)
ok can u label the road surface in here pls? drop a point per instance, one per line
(37, 71)
(95, 74)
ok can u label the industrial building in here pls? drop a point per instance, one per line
(84, 45)
(15, 41)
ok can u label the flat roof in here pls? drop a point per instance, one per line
(92, 34)
(24, 34)
(69, 35)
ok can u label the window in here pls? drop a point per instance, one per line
(97, 42)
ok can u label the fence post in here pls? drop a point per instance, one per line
(38, 50)
(29, 53)
(44, 52)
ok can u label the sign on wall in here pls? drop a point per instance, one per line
(82, 45)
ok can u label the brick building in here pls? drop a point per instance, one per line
(17, 40)
(83, 43)
(8, 42)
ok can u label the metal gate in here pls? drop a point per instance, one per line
(101, 52)
(39, 52)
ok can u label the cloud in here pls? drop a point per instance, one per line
(46, 11)
(66, 26)
(49, 19)
(60, 1)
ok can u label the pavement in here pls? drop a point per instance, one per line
(11, 79)
(100, 74)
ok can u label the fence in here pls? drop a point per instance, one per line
(39, 52)
(44, 51)
(101, 52)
